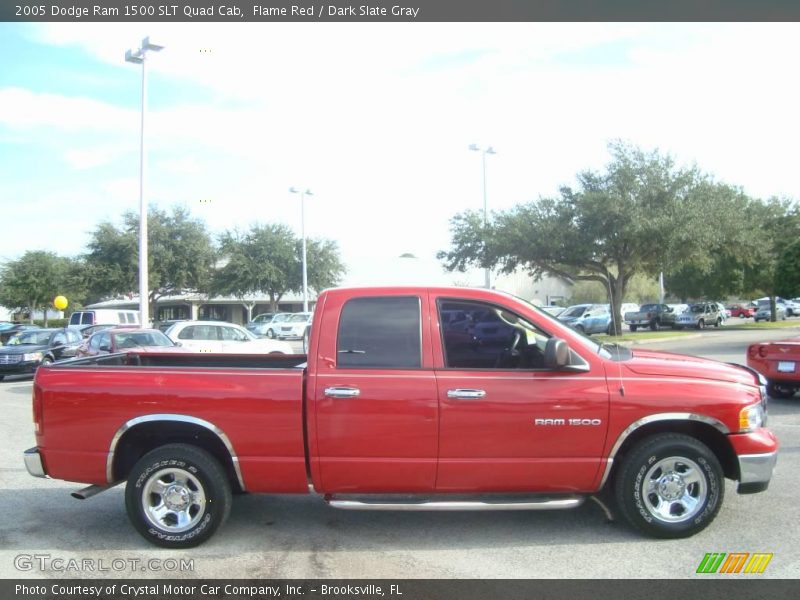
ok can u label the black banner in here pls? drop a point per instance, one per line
(234, 11)
(734, 588)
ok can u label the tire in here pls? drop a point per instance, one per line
(776, 390)
(655, 325)
(580, 329)
(633, 328)
(609, 330)
(200, 492)
(718, 322)
(687, 486)
(270, 334)
(47, 360)
(2, 377)
(701, 324)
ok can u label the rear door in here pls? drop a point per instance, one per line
(506, 422)
(374, 396)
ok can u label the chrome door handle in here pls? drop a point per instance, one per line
(466, 394)
(342, 392)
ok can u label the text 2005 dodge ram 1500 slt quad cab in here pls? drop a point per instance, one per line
(412, 399)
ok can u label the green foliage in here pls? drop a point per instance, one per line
(787, 271)
(31, 282)
(268, 259)
(180, 255)
(634, 217)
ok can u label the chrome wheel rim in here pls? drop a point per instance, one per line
(173, 500)
(674, 489)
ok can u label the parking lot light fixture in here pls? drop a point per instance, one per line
(138, 57)
(303, 194)
(484, 152)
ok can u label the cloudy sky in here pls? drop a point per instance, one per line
(375, 119)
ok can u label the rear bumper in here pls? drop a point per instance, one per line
(33, 462)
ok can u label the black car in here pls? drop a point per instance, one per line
(6, 333)
(33, 347)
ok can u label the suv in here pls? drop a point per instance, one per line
(699, 316)
(267, 324)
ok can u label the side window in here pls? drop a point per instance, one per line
(94, 342)
(59, 339)
(232, 334)
(73, 337)
(104, 340)
(75, 319)
(380, 332)
(489, 337)
(187, 333)
(87, 318)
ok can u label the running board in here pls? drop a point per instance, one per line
(424, 503)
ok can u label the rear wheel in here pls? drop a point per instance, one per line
(718, 322)
(633, 328)
(177, 496)
(655, 325)
(670, 486)
(777, 390)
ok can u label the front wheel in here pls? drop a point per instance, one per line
(655, 325)
(177, 496)
(633, 328)
(701, 324)
(670, 486)
(270, 334)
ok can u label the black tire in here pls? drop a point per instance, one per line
(655, 325)
(633, 328)
(663, 512)
(270, 334)
(701, 324)
(192, 472)
(718, 322)
(2, 377)
(776, 390)
(580, 329)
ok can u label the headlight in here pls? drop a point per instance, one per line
(32, 356)
(751, 417)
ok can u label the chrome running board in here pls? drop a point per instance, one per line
(442, 503)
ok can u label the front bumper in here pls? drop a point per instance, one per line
(20, 368)
(33, 462)
(755, 471)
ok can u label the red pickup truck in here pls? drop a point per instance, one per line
(413, 399)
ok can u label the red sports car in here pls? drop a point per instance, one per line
(742, 311)
(779, 362)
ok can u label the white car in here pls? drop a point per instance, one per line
(220, 337)
(294, 327)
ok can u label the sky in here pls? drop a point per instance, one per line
(375, 119)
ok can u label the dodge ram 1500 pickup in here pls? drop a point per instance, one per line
(411, 399)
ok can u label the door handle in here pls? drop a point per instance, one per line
(342, 392)
(466, 394)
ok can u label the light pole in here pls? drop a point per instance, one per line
(484, 152)
(303, 195)
(138, 57)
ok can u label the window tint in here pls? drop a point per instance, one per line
(87, 318)
(481, 336)
(75, 319)
(59, 339)
(380, 332)
(232, 334)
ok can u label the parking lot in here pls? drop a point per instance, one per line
(300, 536)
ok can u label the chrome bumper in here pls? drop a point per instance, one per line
(755, 471)
(33, 462)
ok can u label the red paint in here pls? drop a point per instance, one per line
(402, 433)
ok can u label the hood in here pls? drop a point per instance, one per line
(667, 364)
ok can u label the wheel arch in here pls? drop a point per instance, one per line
(142, 434)
(709, 431)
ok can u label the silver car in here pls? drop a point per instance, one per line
(764, 313)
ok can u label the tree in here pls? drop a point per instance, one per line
(787, 271)
(180, 255)
(635, 217)
(268, 259)
(32, 281)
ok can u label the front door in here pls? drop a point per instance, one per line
(374, 392)
(506, 422)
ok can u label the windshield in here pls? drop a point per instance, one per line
(649, 307)
(298, 318)
(31, 338)
(573, 311)
(142, 338)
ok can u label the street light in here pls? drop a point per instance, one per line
(303, 195)
(484, 152)
(138, 57)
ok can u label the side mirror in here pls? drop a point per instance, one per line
(105, 348)
(178, 344)
(556, 353)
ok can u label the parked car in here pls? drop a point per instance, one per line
(8, 332)
(386, 414)
(293, 327)
(221, 337)
(741, 310)
(126, 340)
(595, 318)
(97, 316)
(553, 310)
(258, 321)
(699, 316)
(162, 326)
(650, 315)
(33, 347)
(764, 312)
(268, 327)
(779, 363)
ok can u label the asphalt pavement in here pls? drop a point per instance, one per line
(300, 536)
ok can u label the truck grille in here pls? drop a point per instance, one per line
(10, 359)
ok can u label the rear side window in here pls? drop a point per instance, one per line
(380, 332)
(75, 319)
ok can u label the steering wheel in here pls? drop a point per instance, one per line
(511, 351)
